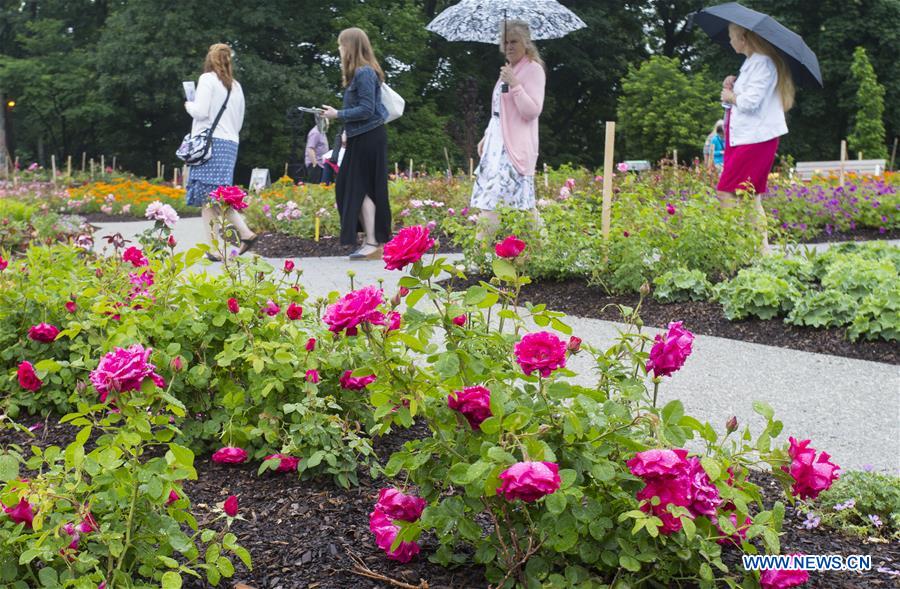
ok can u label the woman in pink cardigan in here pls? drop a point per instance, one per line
(509, 148)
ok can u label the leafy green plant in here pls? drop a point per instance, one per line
(858, 276)
(856, 496)
(829, 308)
(680, 285)
(755, 292)
(878, 316)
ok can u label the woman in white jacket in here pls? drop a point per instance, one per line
(756, 102)
(215, 86)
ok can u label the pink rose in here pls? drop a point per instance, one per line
(231, 196)
(312, 376)
(779, 579)
(173, 497)
(669, 352)
(135, 256)
(473, 402)
(385, 532)
(294, 312)
(355, 308)
(397, 505)
(43, 332)
(667, 475)
(510, 247)
(356, 384)
(622, 167)
(288, 266)
(542, 352)
(811, 475)
(22, 512)
(28, 379)
(460, 320)
(3, 264)
(659, 462)
(407, 247)
(233, 305)
(705, 498)
(394, 319)
(285, 463)
(124, 370)
(670, 208)
(88, 524)
(740, 533)
(404, 291)
(311, 344)
(231, 506)
(177, 364)
(529, 481)
(70, 306)
(230, 455)
(574, 344)
(73, 533)
(271, 309)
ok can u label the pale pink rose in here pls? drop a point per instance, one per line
(542, 352)
(124, 370)
(510, 247)
(669, 352)
(473, 402)
(285, 463)
(354, 383)
(622, 167)
(407, 247)
(779, 579)
(385, 532)
(529, 481)
(355, 308)
(230, 455)
(43, 332)
(158, 211)
(398, 505)
(135, 256)
(231, 196)
(811, 475)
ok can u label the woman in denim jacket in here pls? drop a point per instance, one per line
(362, 186)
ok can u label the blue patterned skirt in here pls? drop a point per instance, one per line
(216, 171)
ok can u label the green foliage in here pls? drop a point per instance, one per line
(871, 493)
(878, 316)
(680, 285)
(662, 108)
(868, 125)
(829, 308)
(755, 292)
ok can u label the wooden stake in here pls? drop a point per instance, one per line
(606, 212)
(546, 178)
(410, 169)
(894, 152)
(184, 175)
(843, 158)
(396, 170)
(114, 164)
(447, 159)
(318, 220)
(471, 168)
(675, 158)
(69, 166)
(102, 164)
(162, 173)
(92, 169)
(53, 167)
(16, 171)
(158, 169)
(83, 160)
(174, 176)
(285, 168)
(859, 155)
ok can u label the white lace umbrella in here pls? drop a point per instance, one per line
(481, 20)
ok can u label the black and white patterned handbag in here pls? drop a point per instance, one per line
(197, 149)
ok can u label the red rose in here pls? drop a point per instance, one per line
(285, 463)
(135, 256)
(288, 266)
(70, 306)
(460, 320)
(43, 332)
(233, 305)
(231, 506)
(510, 247)
(294, 311)
(311, 344)
(407, 247)
(356, 384)
(28, 380)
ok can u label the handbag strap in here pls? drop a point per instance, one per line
(221, 110)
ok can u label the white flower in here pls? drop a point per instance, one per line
(158, 211)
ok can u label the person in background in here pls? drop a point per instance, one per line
(215, 85)
(509, 148)
(755, 102)
(714, 148)
(316, 147)
(361, 191)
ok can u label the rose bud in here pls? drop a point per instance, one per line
(311, 344)
(732, 424)
(395, 300)
(177, 364)
(171, 241)
(574, 344)
(645, 289)
(173, 497)
(288, 266)
(233, 305)
(459, 320)
(231, 506)
(404, 291)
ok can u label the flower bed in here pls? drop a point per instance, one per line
(534, 478)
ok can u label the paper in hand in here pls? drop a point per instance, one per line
(189, 90)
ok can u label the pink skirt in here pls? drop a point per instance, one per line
(747, 166)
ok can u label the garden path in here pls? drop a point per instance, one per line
(850, 408)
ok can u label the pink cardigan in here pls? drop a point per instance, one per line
(519, 112)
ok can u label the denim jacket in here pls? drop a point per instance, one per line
(363, 110)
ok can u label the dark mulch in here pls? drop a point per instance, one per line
(282, 245)
(860, 234)
(576, 297)
(299, 532)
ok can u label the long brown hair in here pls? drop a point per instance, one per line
(785, 85)
(519, 28)
(218, 61)
(357, 53)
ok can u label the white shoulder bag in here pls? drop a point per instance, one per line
(393, 103)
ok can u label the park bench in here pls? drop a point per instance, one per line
(638, 165)
(806, 170)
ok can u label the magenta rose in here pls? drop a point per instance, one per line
(529, 481)
(312, 375)
(473, 402)
(669, 352)
(231, 506)
(73, 534)
(230, 455)
(394, 319)
(43, 332)
(285, 463)
(22, 512)
(355, 308)
(779, 579)
(574, 344)
(3, 264)
(460, 320)
(659, 462)
(288, 266)
(811, 475)
(294, 312)
(230, 196)
(671, 490)
(542, 352)
(271, 309)
(233, 305)
(407, 247)
(124, 370)
(70, 306)
(356, 383)
(28, 379)
(398, 505)
(385, 532)
(705, 498)
(173, 497)
(510, 247)
(135, 256)
(311, 344)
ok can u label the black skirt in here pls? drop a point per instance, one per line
(364, 172)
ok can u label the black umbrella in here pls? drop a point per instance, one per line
(715, 19)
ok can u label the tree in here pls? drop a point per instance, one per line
(662, 108)
(868, 127)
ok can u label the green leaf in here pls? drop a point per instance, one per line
(171, 580)
(763, 409)
(9, 468)
(711, 467)
(447, 365)
(556, 503)
(503, 270)
(629, 563)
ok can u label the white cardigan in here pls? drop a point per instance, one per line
(758, 113)
(210, 95)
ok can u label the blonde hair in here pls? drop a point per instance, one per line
(218, 61)
(757, 44)
(519, 28)
(357, 53)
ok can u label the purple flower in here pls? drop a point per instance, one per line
(876, 521)
(812, 521)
